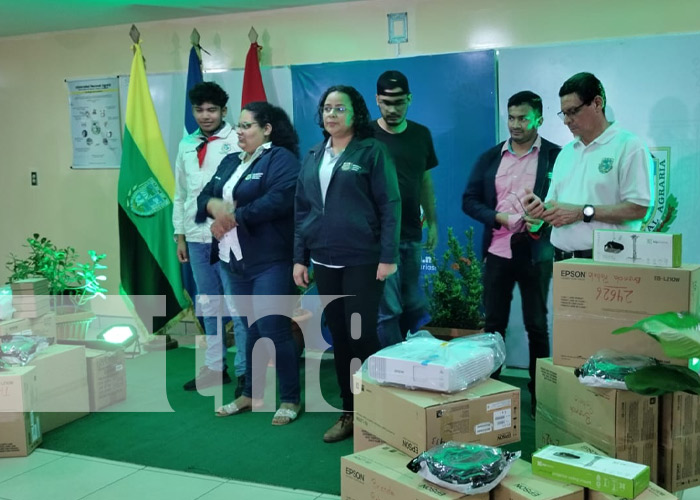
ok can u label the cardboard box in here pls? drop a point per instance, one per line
(592, 299)
(44, 325)
(522, 484)
(679, 442)
(363, 440)
(30, 286)
(638, 248)
(653, 491)
(414, 421)
(62, 385)
(31, 302)
(106, 375)
(15, 326)
(380, 473)
(599, 473)
(20, 431)
(622, 424)
(30, 313)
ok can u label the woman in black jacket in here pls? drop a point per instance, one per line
(251, 199)
(347, 221)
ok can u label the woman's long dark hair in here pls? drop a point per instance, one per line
(283, 133)
(360, 126)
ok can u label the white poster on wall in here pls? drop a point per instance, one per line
(95, 124)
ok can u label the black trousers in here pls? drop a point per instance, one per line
(352, 320)
(500, 277)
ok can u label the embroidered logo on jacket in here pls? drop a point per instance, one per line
(254, 176)
(226, 148)
(350, 166)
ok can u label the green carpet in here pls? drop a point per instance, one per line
(242, 447)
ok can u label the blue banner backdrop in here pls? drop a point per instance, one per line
(454, 95)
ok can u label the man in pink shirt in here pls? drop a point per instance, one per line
(515, 247)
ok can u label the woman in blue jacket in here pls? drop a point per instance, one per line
(347, 221)
(251, 199)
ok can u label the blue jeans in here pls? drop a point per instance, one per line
(403, 307)
(252, 292)
(210, 289)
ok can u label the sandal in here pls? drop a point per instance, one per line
(284, 416)
(231, 409)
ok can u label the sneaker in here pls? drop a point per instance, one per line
(207, 378)
(240, 386)
(341, 430)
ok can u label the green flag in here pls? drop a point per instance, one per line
(149, 265)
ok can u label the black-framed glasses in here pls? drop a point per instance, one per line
(245, 125)
(572, 112)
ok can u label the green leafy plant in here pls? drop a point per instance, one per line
(455, 289)
(678, 333)
(81, 282)
(679, 336)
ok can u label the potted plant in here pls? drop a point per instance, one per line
(455, 290)
(72, 285)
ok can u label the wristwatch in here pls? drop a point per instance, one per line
(588, 213)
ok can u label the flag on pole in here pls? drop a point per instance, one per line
(149, 265)
(194, 76)
(253, 89)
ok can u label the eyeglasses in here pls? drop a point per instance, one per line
(339, 110)
(245, 125)
(572, 112)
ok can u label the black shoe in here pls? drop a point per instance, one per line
(240, 387)
(207, 378)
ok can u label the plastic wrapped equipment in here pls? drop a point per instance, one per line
(424, 362)
(19, 350)
(608, 368)
(466, 468)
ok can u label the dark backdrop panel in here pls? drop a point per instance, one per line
(454, 95)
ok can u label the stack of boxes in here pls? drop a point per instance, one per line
(59, 385)
(393, 425)
(30, 298)
(590, 300)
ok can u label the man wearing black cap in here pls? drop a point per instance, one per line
(410, 144)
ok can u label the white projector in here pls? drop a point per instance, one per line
(453, 369)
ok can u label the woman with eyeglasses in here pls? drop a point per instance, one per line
(347, 221)
(251, 199)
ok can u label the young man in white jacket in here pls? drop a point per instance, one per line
(198, 157)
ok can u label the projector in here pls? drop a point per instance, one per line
(444, 368)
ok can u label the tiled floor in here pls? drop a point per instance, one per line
(52, 475)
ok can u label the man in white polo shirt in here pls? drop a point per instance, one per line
(601, 180)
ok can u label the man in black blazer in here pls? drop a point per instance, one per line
(515, 247)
